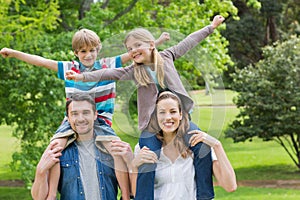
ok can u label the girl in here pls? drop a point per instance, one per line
(153, 72)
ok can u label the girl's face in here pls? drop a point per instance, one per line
(168, 115)
(87, 56)
(139, 51)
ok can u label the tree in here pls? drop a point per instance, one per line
(28, 95)
(257, 27)
(269, 99)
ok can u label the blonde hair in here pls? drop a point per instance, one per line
(85, 38)
(140, 72)
(181, 130)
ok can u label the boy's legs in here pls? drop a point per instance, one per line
(101, 128)
(146, 175)
(61, 135)
(203, 167)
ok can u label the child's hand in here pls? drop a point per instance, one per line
(6, 52)
(71, 75)
(123, 149)
(200, 136)
(218, 19)
(165, 36)
(145, 155)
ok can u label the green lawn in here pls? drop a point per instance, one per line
(8, 145)
(254, 160)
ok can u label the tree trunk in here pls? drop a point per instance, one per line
(271, 32)
(85, 6)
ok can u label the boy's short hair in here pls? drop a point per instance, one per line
(85, 38)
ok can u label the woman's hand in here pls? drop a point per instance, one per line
(200, 136)
(71, 75)
(145, 155)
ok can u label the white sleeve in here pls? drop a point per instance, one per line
(213, 155)
(137, 149)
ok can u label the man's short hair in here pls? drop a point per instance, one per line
(81, 97)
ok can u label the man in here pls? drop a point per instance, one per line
(86, 173)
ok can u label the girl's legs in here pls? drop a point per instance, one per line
(203, 167)
(202, 164)
(54, 175)
(146, 175)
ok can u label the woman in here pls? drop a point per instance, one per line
(175, 165)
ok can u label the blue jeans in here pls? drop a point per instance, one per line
(202, 164)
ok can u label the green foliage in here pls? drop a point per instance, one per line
(269, 98)
(32, 98)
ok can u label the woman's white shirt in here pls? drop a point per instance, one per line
(175, 180)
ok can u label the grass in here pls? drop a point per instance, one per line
(256, 160)
(8, 145)
(248, 193)
(14, 193)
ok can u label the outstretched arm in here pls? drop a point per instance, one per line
(193, 39)
(49, 158)
(222, 168)
(29, 58)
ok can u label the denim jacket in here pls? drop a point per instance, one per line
(70, 184)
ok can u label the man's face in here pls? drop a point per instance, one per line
(81, 117)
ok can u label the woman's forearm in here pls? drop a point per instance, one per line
(223, 170)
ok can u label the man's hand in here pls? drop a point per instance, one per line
(50, 157)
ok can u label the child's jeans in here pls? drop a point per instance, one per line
(202, 164)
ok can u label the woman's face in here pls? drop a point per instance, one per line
(168, 115)
(139, 51)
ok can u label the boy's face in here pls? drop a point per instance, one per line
(87, 56)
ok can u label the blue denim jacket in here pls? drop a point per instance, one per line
(202, 163)
(70, 184)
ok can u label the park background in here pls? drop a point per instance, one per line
(244, 79)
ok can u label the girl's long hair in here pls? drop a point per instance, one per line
(140, 72)
(182, 128)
